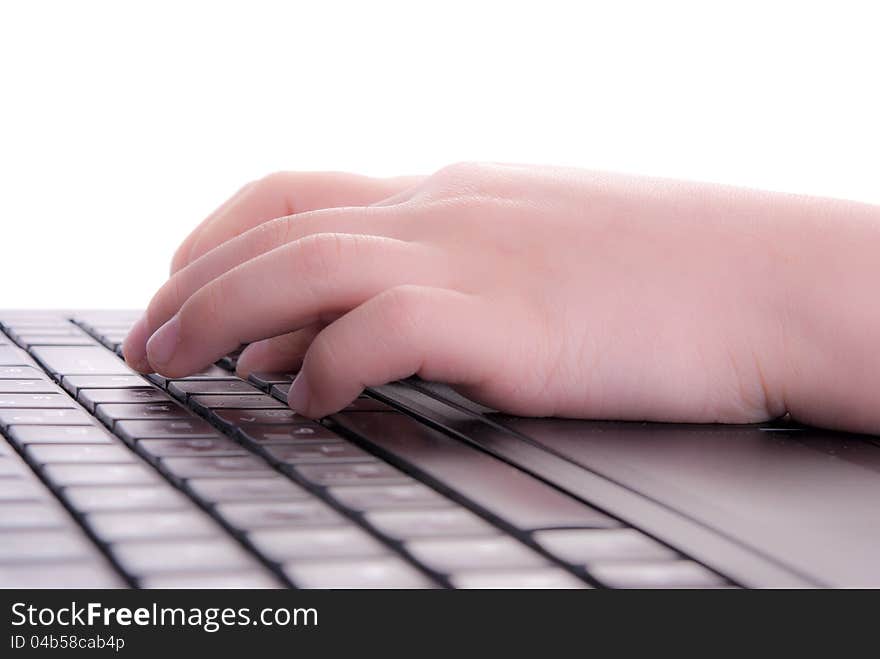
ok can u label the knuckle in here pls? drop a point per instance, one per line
(469, 182)
(273, 181)
(268, 235)
(458, 171)
(320, 253)
(277, 185)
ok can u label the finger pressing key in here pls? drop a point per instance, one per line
(237, 251)
(286, 289)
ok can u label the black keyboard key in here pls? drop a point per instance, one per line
(189, 447)
(109, 413)
(44, 545)
(241, 418)
(27, 515)
(68, 329)
(149, 525)
(22, 335)
(406, 524)
(11, 467)
(507, 492)
(543, 578)
(382, 497)
(35, 401)
(80, 360)
(28, 387)
(280, 391)
(12, 356)
(49, 328)
(90, 398)
(227, 364)
(261, 514)
(21, 373)
(282, 545)
(210, 373)
(24, 435)
(380, 572)
(357, 473)
(222, 467)
(360, 404)
(147, 557)
(92, 574)
(45, 417)
(73, 383)
(132, 430)
(181, 389)
(221, 579)
(119, 498)
(317, 452)
(14, 321)
(64, 475)
(40, 339)
(20, 489)
(655, 574)
(584, 546)
(367, 404)
(269, 435)
(234, 402)
(268, 488)
(448, 555)
(265, 381)
(98, 322)
(42, 454)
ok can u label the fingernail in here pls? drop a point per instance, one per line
(163, 344)
(298, 397)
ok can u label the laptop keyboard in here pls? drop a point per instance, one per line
(113, 479)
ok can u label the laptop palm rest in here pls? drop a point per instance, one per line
(807, 499)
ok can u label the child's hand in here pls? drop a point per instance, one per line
(536, 291)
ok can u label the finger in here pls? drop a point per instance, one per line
(283, 290)
(280, 354)
(281, 194)
(182, 252)
(259, 240)
(436, 333)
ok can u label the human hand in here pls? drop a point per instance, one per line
(537, 291)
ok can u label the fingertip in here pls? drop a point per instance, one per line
(251, 359)
(163, 345)
(299, 398)
(134, 348)
(302, 400)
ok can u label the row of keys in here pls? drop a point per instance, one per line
(436, 531)
(147, 519)
(341, 467)
(39, 545)
(220, 473)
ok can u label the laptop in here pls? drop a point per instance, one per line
(111, 479)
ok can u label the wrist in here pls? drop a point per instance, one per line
(829, 314)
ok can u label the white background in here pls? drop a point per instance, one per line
(122, 124)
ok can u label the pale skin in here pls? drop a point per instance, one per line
(538, 291)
